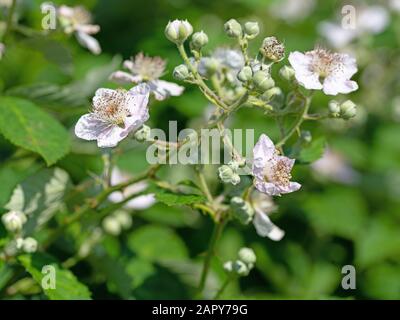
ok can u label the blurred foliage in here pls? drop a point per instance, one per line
(327, 224)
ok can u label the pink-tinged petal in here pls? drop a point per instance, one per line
(163, 89)
(265, 227)
(89, 127)
(88, 28)
(293, 186)
(128, 64)
(263, 151)
(122, 77)
(333, 86)
(138, 104)
(88, 42)
(112, 136)
(267, 187)
(141, 202)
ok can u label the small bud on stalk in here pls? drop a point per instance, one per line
(263, 81)
(233, 28)
(199, 40)
(178, 31)
(251, 29)
(181, 72)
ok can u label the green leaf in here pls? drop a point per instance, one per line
(177, 199)
(340, 212)
(52, 50)
(313, 151)
(156, 243)
(379, 241)
(39, 197)
(67, 286)
(25, 125)
(73, 94)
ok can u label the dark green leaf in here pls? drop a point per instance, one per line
(25, 125)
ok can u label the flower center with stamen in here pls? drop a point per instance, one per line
(113, 107)
(149, 68)
(324, 62)
(279, 173)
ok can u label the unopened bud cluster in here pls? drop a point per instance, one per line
(228, 173)
(243, 265)
(345, 110)
(116, 222)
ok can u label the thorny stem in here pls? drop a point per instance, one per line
(218, 227)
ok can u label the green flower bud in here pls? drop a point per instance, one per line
(228, 266)
(247, 255)
(270, 93)
(245, 74)
(178, 31)
(233, 28)
(251, 29)
(287, 73)
(242, 210)
(228, 175)
(29, 245)
(263, 81)
(240, 268)
(111, 225)
(334, 108)
(143, 134)
(306, 136)
(13, 220)
(199, 40)
(181, 72)
(123, 218)
(272, 49)
(348, 110)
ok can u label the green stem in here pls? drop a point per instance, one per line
(219, 226)
(10, 18)
(296, 125)
(204, 186)
(203, 86)
(223, 287)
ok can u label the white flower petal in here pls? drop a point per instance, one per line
(110, 137)
(263, 151)
(89, 127)
(122, 77)
(141, 202)
(88, 42)
(88, 28)
(265, 227)
(164, 89)
(301, 64)
(334, 85)
(116, 197)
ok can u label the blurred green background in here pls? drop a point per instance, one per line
(328, 224)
